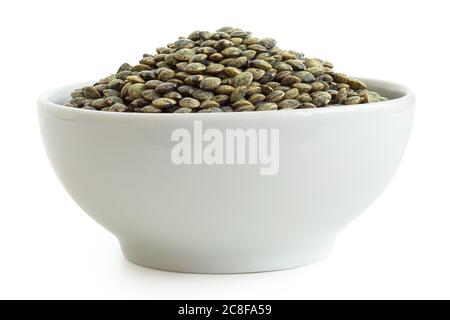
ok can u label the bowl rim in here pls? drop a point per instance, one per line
(407, 98)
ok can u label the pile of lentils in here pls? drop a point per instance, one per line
(224, 71)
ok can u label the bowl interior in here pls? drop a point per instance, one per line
(387, 89)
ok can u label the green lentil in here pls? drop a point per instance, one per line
(224, 71)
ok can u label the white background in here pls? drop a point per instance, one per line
(49, 248)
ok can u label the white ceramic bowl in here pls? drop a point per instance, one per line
(333, 163)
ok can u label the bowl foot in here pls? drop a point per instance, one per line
(221, 263)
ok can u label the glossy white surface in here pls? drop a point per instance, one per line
(224, 219)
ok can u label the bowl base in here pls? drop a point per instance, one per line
(177, 261)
